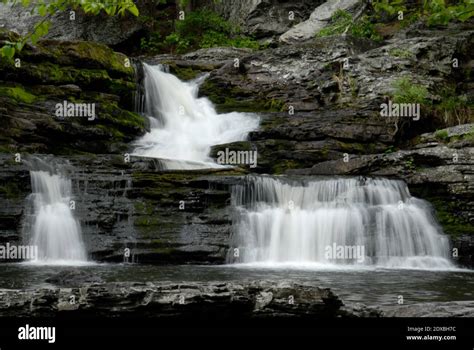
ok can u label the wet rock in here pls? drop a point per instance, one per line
(437, 309)
(53, 72)
(73, 279)
(190, 300)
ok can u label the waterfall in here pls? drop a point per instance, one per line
(320, 221)
(183, 126)
(53, 229)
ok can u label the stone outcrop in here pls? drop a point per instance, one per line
(117, 31)
(162, 217)
(319, 19)
(264, 19)
(190, 300)
(53, 72)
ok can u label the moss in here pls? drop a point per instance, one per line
(51, 73)
(445, 210)
(18, 93)
(88, 55)
(452, 225)
(400, 53)
(282, 166)
(183, 73)
(112, 113)
(235, 99)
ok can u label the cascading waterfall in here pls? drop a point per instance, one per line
(300, 222)
(53, 229)
(183, 126)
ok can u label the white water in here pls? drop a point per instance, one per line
(288, 224)
(183, 126)
(54, 230)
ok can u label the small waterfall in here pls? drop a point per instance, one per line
(183, 126)
(308, 222)
(52, 228)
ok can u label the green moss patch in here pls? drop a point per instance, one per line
(18, 93)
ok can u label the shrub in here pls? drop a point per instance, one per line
(408, 92)
(442, 134)
(341, 21)
(203, 29)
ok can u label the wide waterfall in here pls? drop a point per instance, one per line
(52, 228)
(320, 221)
(183, 126)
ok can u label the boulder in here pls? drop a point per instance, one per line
(319, 19)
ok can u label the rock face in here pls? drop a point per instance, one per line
(264, 19)
(318, 20)
(103, 29)
(319, 103)
(57, 72)
(162, 217)
(193, 300)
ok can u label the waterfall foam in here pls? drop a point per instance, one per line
(281, 222)
(183, 126)
(53, 229)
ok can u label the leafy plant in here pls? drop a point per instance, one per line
(342, 22)
(442, 134)
(408, 92)
(454, 108)
(389, 7)
(410, 163)
(434, 12)
(203, 29)
(440, 13)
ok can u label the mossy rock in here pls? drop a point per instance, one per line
(233, 99)
(18, 93)
(82, 54)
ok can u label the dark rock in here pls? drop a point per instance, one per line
(190, 300)
(264, 18)
(73, 279)
(56, 71)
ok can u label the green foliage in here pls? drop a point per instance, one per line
(341, 22)
(410, 163)
(47, 8)
(441, 13)
(389, 7)
(434, 12)
(18, 94)
(408, 92)
(390, 149)
(454, 108)
(401, 53)
(442, 134)
(203, 29)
